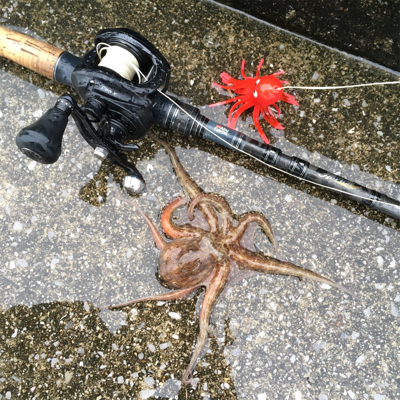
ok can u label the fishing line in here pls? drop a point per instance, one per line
(338, 87)
(130, 66)
(122, 61)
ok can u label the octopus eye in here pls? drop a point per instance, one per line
(257, 81)
(255, 94)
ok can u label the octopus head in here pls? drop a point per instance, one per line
(267, 90)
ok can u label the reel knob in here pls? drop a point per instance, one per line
(134, 184)
(41, 141)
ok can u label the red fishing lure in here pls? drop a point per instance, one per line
(260, 93)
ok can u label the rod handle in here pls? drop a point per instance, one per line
(38, 56)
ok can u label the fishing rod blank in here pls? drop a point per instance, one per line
(186, 119)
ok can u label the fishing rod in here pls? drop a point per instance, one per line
(123, 82)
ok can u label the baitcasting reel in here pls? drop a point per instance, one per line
(117, 97)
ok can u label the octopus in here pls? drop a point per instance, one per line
(214, 256)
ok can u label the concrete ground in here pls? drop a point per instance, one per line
(67, 248)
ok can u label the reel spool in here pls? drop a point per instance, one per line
(119, 81)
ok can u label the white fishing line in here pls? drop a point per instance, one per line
(338, 87)
(122, 61)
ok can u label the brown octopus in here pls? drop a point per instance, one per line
(215, 257)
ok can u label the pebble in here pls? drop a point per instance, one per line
(145, 394)
(360, 359)
(394, 310)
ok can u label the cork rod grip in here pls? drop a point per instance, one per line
(31, 53)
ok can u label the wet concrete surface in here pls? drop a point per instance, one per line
(67, 248)
(365, 28)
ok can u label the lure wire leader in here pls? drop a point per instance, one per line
(130, 67)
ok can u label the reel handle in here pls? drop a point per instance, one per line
(41, 141)
(121, 106)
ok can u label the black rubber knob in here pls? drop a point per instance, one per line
(42, 140)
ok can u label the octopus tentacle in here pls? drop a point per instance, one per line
(242, 71)
(215, 287)
(259, 68)
(174, 295)
(158, 239)
(256, 120)
(277, 109)
(261, 220)
(288, 98)
(240, 111)
(227, 79)
(177, 231)
(281, 72)
(270, 118)
(219, 204)
(220, 103)
(234, 84)
(269, 265)
(233, 109)
(247, 240)
(188, 183)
